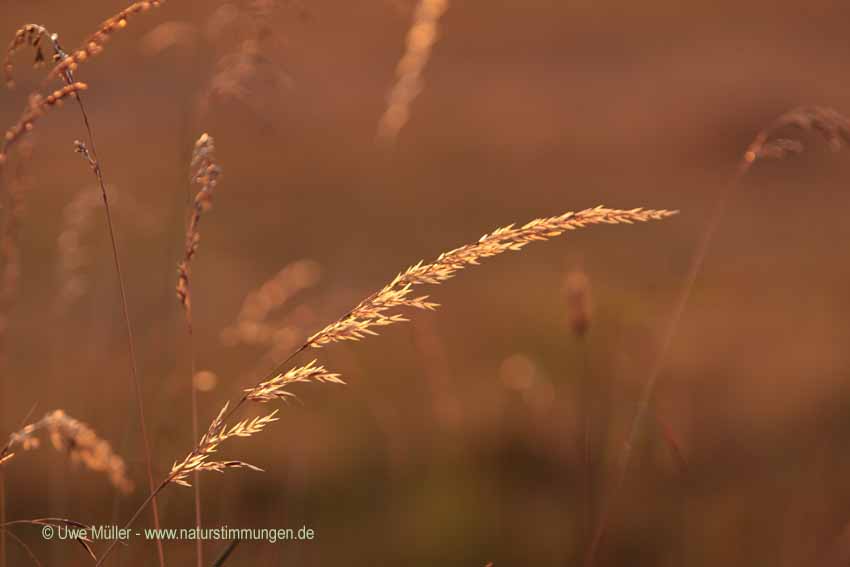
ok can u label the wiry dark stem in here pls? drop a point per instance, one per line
(226, 553)
(151, 498)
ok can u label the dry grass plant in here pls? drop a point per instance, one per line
(768, 144)
(77, 440)
(205, 174)
(378, 310)
(66, 65)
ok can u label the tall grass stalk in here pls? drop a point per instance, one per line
(205, 173)
(90, 153)
(835, 129)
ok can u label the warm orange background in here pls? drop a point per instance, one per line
(431, 456)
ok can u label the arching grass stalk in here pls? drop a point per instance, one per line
(379, 309)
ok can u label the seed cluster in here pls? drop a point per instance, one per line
(37, 107)
(276, 388)
(79, 441)
(32, 35)
(95, 42)
(199, 459)
(205, 173)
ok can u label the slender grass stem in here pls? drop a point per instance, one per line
(131, 349)
(196, 482)
(637, 424)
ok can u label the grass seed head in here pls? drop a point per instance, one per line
(830, 124)
(205, 173)
(93, 45)
(79, 441)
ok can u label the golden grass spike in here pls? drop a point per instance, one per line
(95, 42)
(374, 311)
(276, 388)
(79, 441)
(420, 41)
(205, 173)
(218, 432)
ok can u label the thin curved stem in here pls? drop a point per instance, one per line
(151, 497)
(134, 374)
(697, 261)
